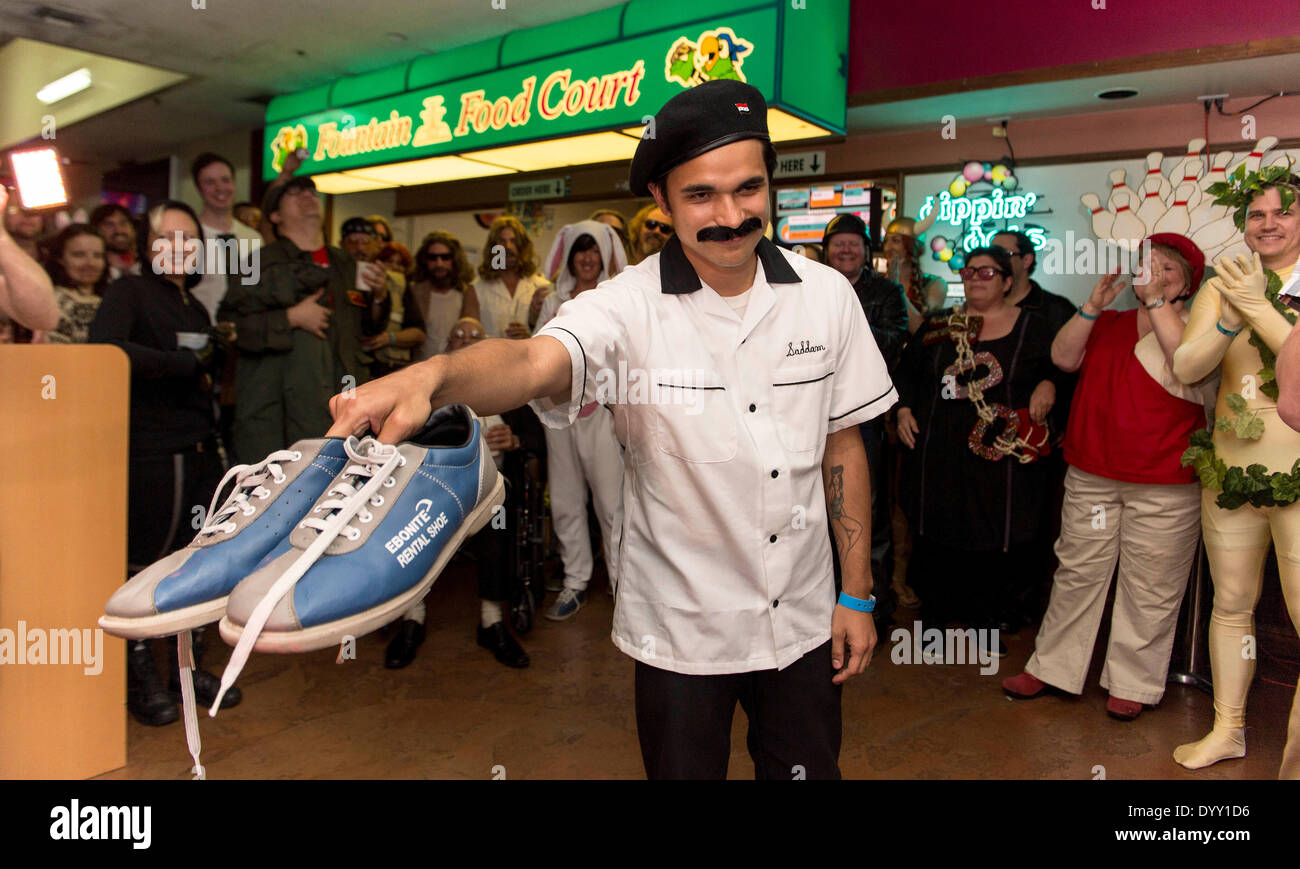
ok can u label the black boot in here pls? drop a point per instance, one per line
(503, 647)
(401, 651)
(206, 685)
(145, 697)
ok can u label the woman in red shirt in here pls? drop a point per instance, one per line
(1127, 495)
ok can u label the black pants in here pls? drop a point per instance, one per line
(975, 587)
(882, 523)
(684, 722)
(163, 491)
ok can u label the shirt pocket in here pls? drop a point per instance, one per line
(801, 400)
(694, 419)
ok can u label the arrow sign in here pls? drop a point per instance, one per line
(800, 164)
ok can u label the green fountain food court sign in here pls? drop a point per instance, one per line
(610, 70)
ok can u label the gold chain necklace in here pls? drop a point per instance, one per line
(1009, 443)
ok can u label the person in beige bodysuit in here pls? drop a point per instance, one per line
(1228, 311)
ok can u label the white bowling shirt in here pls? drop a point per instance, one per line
(725, 563)
(497, 308)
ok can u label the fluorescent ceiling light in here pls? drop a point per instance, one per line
(61, 89)
(431, 170)
(341, 182)
(582, 150)
(785, 127)
(552, 153)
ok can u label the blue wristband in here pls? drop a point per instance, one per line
(857, 603)
(1224, 331)
(1085, 315)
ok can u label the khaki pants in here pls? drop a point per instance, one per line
(1151, 530)
(1236, 542)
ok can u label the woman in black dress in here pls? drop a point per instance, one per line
(975, 390)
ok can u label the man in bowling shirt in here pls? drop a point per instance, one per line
(748, 372)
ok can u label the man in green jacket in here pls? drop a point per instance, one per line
(299, 328)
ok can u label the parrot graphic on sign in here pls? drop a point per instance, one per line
(716, 54)
(288, 140)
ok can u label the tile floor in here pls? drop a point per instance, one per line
(456, 713)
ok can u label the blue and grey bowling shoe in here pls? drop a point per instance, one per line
(372, 545)
(189, 587)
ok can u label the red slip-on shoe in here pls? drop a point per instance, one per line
(1023, 687)
(1124, 710)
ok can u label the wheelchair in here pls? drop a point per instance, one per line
(531, 524)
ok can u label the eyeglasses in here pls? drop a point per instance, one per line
(986, 273)
(439, 257)
(656, 226)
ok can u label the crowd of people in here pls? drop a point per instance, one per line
(1021, 419)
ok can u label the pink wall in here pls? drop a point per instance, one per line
(926, 41)
(1126, 131)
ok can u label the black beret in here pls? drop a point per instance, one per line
(697, 120)
(846, 223)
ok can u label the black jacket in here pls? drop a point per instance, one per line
(142, 314)
(884, 304)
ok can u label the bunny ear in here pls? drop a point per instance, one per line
(556, 256)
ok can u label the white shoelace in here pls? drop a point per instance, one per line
(248, 484)
(373, 462)
(185, 658)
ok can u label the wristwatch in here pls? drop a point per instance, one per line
(1160, 300)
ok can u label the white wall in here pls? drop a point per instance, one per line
(233, 146)
(1057, 209)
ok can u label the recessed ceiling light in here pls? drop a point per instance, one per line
(61, 89)
(1117, 94)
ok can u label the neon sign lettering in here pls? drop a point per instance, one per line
(995, 206)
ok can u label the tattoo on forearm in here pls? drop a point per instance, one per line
(850, 529)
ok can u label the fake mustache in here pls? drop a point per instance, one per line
(726, 233)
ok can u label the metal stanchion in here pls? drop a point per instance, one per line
(1191, 663)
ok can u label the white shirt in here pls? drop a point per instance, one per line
(723, 568)
(497, 308)
(212, 288)
(440, 312)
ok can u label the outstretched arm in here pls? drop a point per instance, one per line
(397, 405)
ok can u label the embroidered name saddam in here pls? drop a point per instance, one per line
(416, 534)
(805, 346)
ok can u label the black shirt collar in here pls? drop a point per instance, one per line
(1033, 299)
(678, 276)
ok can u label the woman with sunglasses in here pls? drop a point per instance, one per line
(1128, 499)
(974, 391)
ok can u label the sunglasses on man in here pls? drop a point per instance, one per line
(656, 226)
(438, 257)
(986, 273)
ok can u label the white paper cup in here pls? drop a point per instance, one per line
(362, 268)
(192, 340)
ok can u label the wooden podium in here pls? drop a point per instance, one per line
(63, 442)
